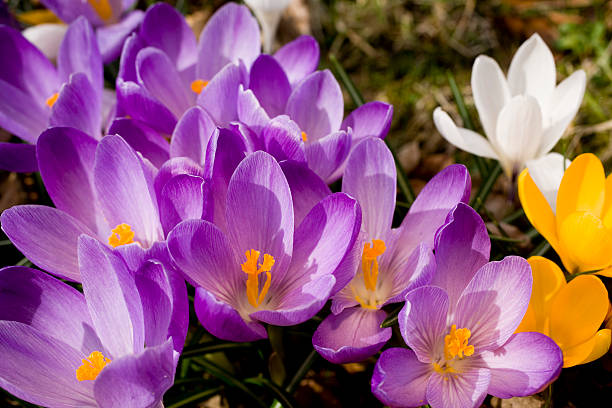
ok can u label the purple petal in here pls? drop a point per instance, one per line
(443, 192)
(231, 34)
(79, 52)
(79, 106)
(250, 111)
(192, 134)
(494, 302)
(417, 270)
(269, 84)
(259, 211)
(18, 157)
(183, 198)
(307, 189)
(159, 76)
(317, 105)
(25, 67)
(223, 321)
(283, 140)
(140, 105)
(46, 236)
(40, 369)
(112, 298)
(370, 120)
(299, 58)
(422, 321)
(220, 96)
(326, 155)
(138, 380)
(143, 139)
(514, 375)
(66, 160)
(467, 389)
(351, 336)
(124, 190)
(462, 247)
(111, 38)
(174, 167)
(370, 177)
(20, 114)
(48, 305)
(165, 28)
(400, 379)
(127, 63)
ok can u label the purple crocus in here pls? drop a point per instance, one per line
(460, 330)
(306, 122)
(101, 189)
(261, 269)
(35, 95)
(61, 347)
(112, 19)
(388, 262)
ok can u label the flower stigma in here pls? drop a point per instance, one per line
(369, 267)
(252, 269)
(102, 8)
(198, 85)
(304, 137)
(455, 347)
(52, 99)
(122, 234)
(92, 366)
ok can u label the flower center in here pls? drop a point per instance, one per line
(102, 8)
(369, 267)
(456, 343)
(91, 367)
(252, 269)
(52, 99)
(198, 85)
(304, 137)
(122, 234)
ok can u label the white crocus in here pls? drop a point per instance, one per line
(523, 115)
(268, 12)
(547, 172)
(46, 37)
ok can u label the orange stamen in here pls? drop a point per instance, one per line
(122, 234)
(102, 8)
(304, 137)
(198, 85)
(369, 262)
(92, 366)
(52, 99)
(456, 343)
(250, 267)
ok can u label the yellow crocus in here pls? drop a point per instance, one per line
(580, 227)
(570, 313)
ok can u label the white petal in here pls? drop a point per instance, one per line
(464, 139)
(532, 72)
(268, 12)
(490, 90)
(567, 98)
(46, 37)
(547, 173)
(519, 131)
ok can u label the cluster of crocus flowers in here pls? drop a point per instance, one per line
(524, 114)
(574, 216)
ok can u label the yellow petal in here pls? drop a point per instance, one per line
(34, 17)
(582, 187)
(529, 322)
(606, 272)
(578, 310)
(548, 280)
(590, 350)
(537, 209)
(586, 241)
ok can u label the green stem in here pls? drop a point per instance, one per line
(514, 216)
(5, 242)
(392, 318)
(486, 187)
(540, 249)
(285, 400)
(301, 372)
(195, 397)
(24, 262)
(200, 349)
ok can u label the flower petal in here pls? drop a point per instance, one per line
(148, 142)
(547, 172)
(78, 105)
(444, 191)
(184, 197)
(20, 114)
(327, 155)
(590, 350)
(192, 134)
(231, 34)
(467, 389)
(462, 138)
(351, 336)
(250, 111)
(491, 92)
(372, 119)
(140, 105)
(46, 37)
(18, 157)
(582, 187)
(79, 53)
(299, 58)
(400, 379)
(269, 84)
(282, 139)
(220, 96)
(586, 242)
(524, 365)
(112, 37)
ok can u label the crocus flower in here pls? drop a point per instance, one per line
(61, 347)
(112, 20)
(460, 330)
(47, 37)
(523, 115)
(577, 224)
(304, 122)
(268, 12)
(261, 269)
(570, 313)
(101, 189)
(390, 262)
(35, 95)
